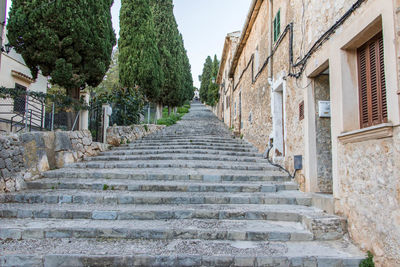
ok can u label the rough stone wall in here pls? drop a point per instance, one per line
(324, 137)
(118, 135)
(370, 195)
(27, 155)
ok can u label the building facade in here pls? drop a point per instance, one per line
(318, 81)
(15, 74)
(224, 109)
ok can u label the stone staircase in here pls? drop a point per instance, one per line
(190, 195)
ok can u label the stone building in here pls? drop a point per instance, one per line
(14, 73)
(319, 81)
(224, 111)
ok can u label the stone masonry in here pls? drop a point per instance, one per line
(189, 195)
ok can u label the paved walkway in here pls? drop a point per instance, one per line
(190, 195)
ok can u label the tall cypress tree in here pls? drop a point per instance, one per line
(139, 58)
(212, 93)
(206, 77)
(69, 42)
(169, 48)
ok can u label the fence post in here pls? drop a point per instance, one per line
(148, 114)
(107, 111)
(52, 117)
(84, 116)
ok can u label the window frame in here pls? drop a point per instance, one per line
(277, 26)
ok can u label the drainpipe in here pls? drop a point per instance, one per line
(271, 41)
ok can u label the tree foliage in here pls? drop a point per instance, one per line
(206, 78)
(213, 87)
(139, 58)
(70, 42)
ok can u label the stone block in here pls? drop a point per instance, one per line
(104, 215)
(62, 142)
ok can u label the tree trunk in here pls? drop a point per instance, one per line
(169, 111)
(175, 110)
(71, 114)
(159, 109)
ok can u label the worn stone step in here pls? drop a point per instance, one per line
(180, 186)
(175, 147)
(178, 252)
(170, 174)
(189, 141)
(194, 143)
(154, 198)
(292, 213)
(173, 156)
(207, 229)
(255, 166)
(181, 151)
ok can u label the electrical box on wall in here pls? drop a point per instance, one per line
(324, 109)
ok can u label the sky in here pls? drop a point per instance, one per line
(204, 25)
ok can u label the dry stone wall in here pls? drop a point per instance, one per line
(25, 156)
(118, 135)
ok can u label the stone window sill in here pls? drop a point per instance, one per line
(384, 130)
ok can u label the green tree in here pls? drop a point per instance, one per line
(139, 58)
(169, 49)
(206, 77)
(213, 88)
(70, 42)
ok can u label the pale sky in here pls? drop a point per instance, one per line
(203, 24)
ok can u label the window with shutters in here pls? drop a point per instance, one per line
(277, 25)
(372, 84)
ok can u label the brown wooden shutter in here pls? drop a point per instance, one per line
(372, 86)
(301, 111)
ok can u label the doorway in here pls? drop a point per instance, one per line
(323, 132)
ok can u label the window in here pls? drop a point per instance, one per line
(19, 101)
(301, 111)
(372, 84)
(277, 25)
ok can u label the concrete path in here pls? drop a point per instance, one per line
(190, 195)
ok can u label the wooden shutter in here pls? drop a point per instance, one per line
(301, 111)
(372, 85)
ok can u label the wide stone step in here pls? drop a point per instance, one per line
(181, 151)
(179, 186)
(291, 213)
(193, 143)
(178, 252)
(173, 156)
(237, 230)
(174, 164)
(190, 141)
(170, 174)
(174, 147)
(155, 198)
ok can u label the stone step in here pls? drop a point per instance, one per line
(205, 229)
(197, 143)
(190, 139)
(170, 174)
(178, 186)
(178, 252)
(173, 156)
(291, 213)
(154, 198)
(181, 151)
(174, 147)
(174, 164)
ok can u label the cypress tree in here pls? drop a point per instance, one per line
(212, 93)
(72, 43)
(206, 77)
(139, 58)
(169, 48)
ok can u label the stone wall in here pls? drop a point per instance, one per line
(25, 156)
(118, 135)
(370, 195)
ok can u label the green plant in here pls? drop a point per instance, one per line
(369, 261)
(128, 141)
(146, 127)
(105, 187)
(112, 188)
(241, 136)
